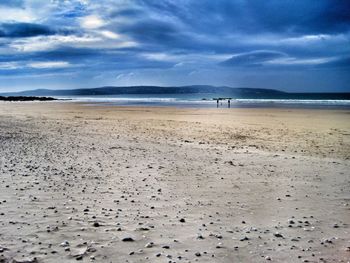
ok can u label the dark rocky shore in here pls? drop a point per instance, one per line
(25, 98)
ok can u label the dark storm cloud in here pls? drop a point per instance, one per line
(151, 30)
(92, 60)
(100, 59)
(131, 12)
(338, 63)
(71, 54)
(276, 16)
(23, 30)
(254, 58)
(307, 16)
(206, 26)
(60, 53)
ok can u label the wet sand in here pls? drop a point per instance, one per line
(128, 184)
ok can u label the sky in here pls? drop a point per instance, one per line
(290, 45)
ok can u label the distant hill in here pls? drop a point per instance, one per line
(248, 93)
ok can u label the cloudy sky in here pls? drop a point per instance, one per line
(292, 45)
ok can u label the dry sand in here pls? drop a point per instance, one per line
(122, 184)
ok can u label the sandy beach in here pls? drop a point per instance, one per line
(129, 184)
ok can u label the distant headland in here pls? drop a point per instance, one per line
(222, 91)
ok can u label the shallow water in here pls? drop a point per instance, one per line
(205, 101)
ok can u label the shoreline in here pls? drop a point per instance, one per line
(194, 106)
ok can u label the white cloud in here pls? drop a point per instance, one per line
(34, 65)
(110, 34)
(306, 39)
(41, 43)
(16, 14)
(180, 64)
(294, 61)
(127, 76)
(159, 56)
(9, 65)
(188, 58)
(193, 72)
(302, 40)
(92, 22)
(120, 44)
(49, 64)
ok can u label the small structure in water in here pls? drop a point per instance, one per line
(221, 99)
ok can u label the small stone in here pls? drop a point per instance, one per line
(218, 236)
(96, 224)
(182, 220)
(268, 258)
(2, 249)
(199, 236)
(278, 234)
(64, 244)
(244, 239)
(128, 239)
(91, 249)
(219, 245)
(25, 260)
(149, 245)
(198, 254)
(329, 241)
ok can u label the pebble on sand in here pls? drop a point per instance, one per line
(128, 239)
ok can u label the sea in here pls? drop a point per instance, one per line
(203, 101)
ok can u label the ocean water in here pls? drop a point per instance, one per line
(204, 101)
